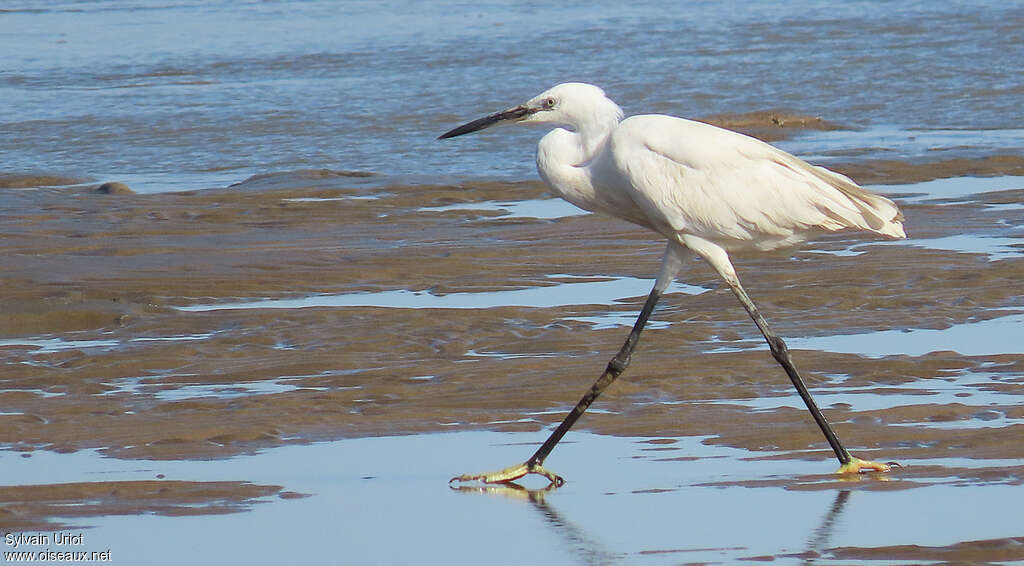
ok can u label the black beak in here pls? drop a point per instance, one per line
(509, 115)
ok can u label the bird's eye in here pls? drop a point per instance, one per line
(549, 103)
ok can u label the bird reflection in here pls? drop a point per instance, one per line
(821, 537)
(582, 545)
(591, 552)
(511, 490)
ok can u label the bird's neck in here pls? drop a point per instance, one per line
(592, 137)
(564, 157)
(575, 148)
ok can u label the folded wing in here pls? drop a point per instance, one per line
(693, 178)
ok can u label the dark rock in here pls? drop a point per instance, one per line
(115, 188)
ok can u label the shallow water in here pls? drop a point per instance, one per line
(985, 338)
(548, 209)
(952, 188)
(559, 294)
(629, 500)
(213, 92)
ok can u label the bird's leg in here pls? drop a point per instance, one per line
(615, 368)
(671, 262)
(848, 463)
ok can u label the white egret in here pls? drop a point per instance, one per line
(707, 190)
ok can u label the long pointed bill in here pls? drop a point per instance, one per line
(510, 115)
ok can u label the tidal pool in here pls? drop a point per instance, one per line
(386, 500)
(568, 292)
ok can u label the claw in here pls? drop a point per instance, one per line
(511, 474)
(856, 465)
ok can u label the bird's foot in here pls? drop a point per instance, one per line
(856, 466)
(511, 474)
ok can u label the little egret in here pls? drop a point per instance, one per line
(707, 190)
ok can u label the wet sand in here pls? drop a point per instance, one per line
(28, 507)
(115, 340)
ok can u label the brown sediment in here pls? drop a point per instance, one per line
(84, 269)
(26, 508)
(158, 382)
(306, 177)
(29, 180)
(770, 125)
(892, 172)
(1001, 550)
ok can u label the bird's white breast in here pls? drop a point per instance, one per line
(573, 175)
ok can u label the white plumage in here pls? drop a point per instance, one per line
(706, 190)
(679, 177)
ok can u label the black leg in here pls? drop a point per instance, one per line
(718, 258)
(615, 368)
(781, 354)
(847, 463)
(671, 262)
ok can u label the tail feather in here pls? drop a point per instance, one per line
(880, 214)
(873, 212)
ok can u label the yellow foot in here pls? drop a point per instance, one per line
(511, 474)
(856, 465)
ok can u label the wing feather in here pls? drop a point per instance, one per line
(737, 191)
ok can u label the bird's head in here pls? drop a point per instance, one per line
(575, 106)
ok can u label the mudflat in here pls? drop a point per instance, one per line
(314, 305)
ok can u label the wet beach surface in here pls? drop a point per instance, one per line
(300, 315)
(147, 334)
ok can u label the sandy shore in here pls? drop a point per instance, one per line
(97, 281)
